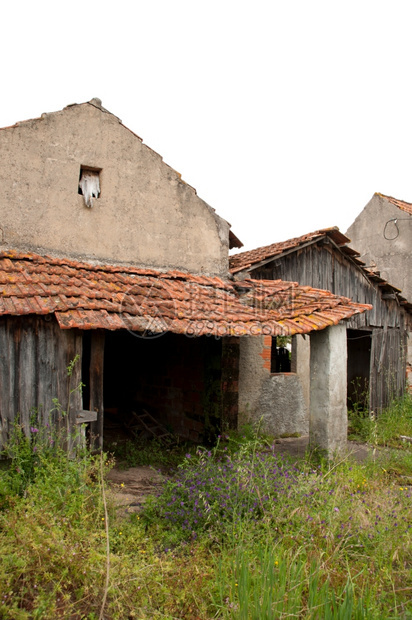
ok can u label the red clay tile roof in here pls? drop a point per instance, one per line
(401, 204)
(245, 260)
(87, 296)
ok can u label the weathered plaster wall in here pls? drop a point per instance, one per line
(392, 256)
(254, 370)
(282, 406)
(328, 421)
(145, 214)
(275, 400)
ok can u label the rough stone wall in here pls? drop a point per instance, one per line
(254, 369)
(276, 401)
(282, 406)
(145, 214)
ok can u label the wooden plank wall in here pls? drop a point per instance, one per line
(34, 356)
(96, 387)
(387, 368)
(323, 266)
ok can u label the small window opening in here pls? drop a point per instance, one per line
(89, 185)
(280, 359)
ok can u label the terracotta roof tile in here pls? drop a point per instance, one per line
(245, 260)
(401, 204)
(110, 297)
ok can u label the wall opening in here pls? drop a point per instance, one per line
(359, 359)
(281, 354)
(89, 184)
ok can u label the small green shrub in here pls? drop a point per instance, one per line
(26, 452)
(51, 530)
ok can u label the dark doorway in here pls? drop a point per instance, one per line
(176, 379)
(359, 359)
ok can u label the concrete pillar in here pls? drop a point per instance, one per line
(301, 365)
(328, 420)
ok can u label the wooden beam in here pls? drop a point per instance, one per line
(96, 387)
(84, 416)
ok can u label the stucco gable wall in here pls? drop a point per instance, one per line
(393, 256)
(145, 214)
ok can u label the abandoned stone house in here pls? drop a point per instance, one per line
(387, 244)
(108, 256)
(376, 340)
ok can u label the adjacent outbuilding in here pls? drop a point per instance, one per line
(370, 350)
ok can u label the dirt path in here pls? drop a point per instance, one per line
(130, 487)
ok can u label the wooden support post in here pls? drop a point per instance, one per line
(96, 387)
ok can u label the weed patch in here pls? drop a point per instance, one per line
(239, 533)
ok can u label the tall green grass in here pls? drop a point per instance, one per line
(387, 428)
(268, 582)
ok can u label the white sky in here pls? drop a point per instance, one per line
(286, 116)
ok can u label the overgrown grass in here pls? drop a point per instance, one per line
(265, 587)
(136, 452)
(238, 533)
(387, 428)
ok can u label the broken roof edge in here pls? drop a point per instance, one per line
(101, 319)
(234, 242)
(401, 204)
